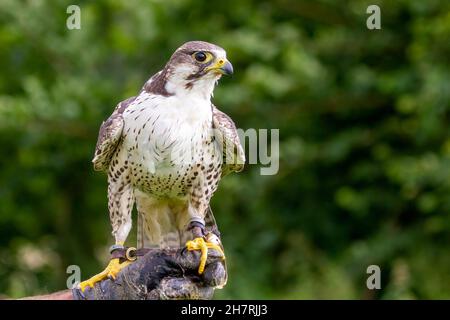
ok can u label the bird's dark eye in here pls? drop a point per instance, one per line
(200, 56)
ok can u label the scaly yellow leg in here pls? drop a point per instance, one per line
(203, 246)
(110, 271)
(93, 280)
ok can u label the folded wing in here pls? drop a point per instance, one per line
(110, 137)
(226, 134)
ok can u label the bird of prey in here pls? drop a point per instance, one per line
(166, 150)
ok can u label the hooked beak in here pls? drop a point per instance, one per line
(222, 66)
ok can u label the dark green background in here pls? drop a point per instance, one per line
(364, 139)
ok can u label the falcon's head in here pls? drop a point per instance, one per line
(194, 68)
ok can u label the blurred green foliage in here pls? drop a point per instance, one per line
(364, 139)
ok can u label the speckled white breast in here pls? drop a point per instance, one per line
(168, 139)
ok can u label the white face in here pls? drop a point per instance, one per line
(196, 71)
(200, 64)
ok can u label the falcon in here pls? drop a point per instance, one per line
(166, 150)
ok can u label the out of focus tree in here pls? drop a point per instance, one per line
(364, 139)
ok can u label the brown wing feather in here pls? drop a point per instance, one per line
(109, 137)
(226, 133)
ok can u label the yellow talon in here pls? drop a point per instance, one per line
(203, 246)
(110, 271)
